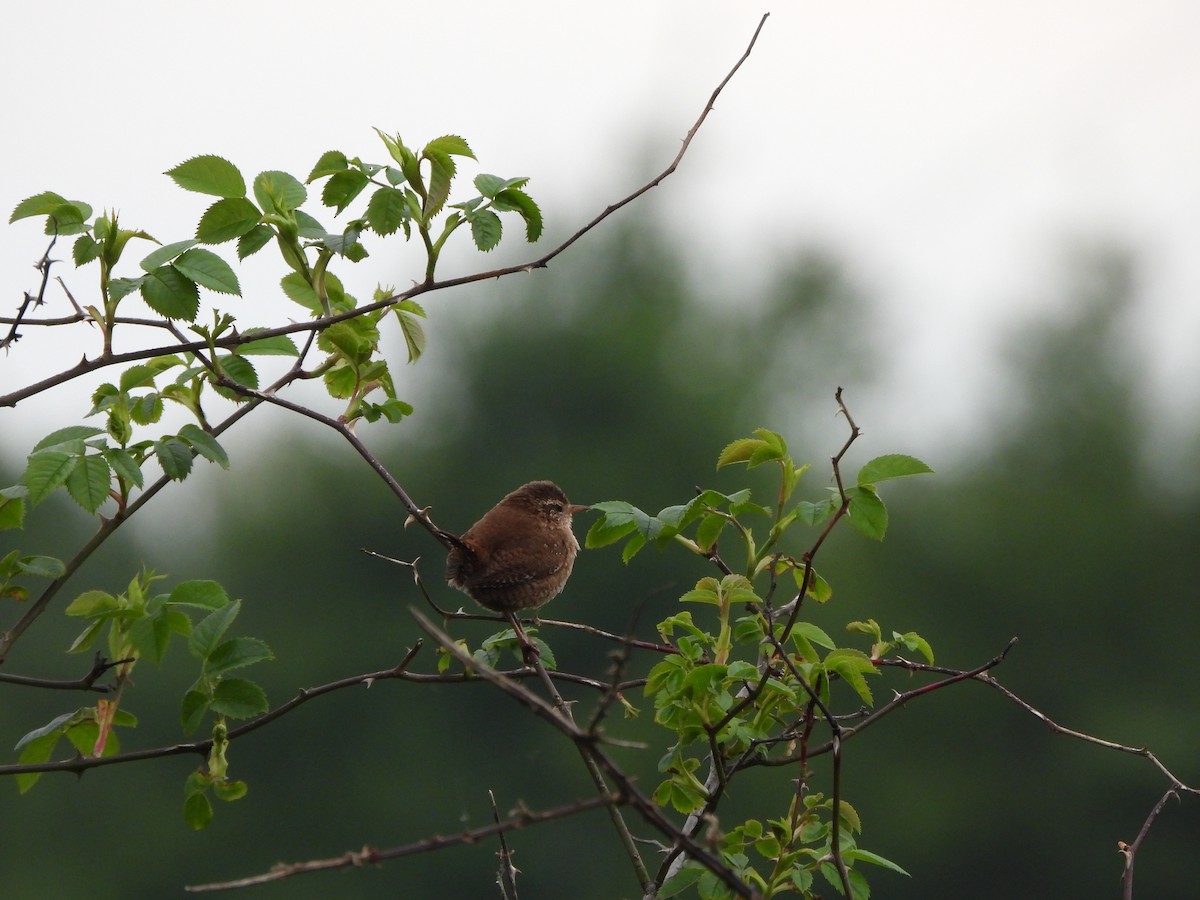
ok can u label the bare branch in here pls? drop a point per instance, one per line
(368, 855)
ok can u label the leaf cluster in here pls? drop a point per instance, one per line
(749, 682)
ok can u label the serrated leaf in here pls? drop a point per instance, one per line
(204, 444)
(122, 287)
(192, 710)
(227, 219)
(69, 218)
(167, 291)
(174, 456)
(88, 482)
(278, 191)
(209, 631)
(893, 465)
(91, 603)
(209, 175)
(853, 666)
(203, 593)
(856, 854)
(451, 144)
(486, 230)
(277, 345)
(409, 313)
(37, 205)
(240, 370)
(165, 254)
(47, 470)
(442, 170)
(867, 513)
(341, 189)
(65, 435)
(386, 210)
(206, 268)
(520, 202)
(84, 250)
(331, 161)
(254, 240)
(41, 566)
(149, 636)
(234, 654)
(239, 698)
(298, 290)
(124, 465)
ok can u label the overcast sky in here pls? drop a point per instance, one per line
(948, 151)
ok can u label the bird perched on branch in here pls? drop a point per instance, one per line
(520, 554)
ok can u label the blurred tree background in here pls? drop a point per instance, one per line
(609, 376)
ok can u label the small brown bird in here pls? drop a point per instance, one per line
(520, 554)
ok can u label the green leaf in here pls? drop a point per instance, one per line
(616, 522)
(65, 435)
(204, 444)
(486, 229)
(227, 219)
(37, 205)
(69, 218)
(766, 447)
(88, 482)
(519, 201)
(814, 634)
(149, 636)
(192, 710)
(165, 254)
(234, 654)
(84, 250)
(174, 295)
(124, 465)
(240, 370)
(228, 791)
(278, 191)
(409, 313)
(239, 699)
(122, 287)
(343, 187)
(209, 175)
(206, 268)
(12, 506)
(298, 290)
(202, 593)
(450, 144)
(254, 240)
(331, 161)
(852, 665)
(278, 345)
(207, 633)
(386, 210)
(197, 811)
(92, 603)
(857, 855)
(47, 470)
(174, 456)
(868, 515)
(894, 465)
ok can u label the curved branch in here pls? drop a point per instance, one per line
(85, 365)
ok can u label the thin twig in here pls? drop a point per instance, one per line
(234, 340)
(368, 855)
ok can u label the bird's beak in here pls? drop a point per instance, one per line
(576, 508)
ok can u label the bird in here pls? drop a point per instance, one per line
(519, 555)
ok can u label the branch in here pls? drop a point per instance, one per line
(519, 819)
(43, 266)
(86, 683)
(108, 359)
